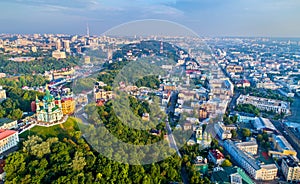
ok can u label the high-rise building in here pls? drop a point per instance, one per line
(66, 44)
(58, 44)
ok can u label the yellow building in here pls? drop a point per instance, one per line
(68, 106)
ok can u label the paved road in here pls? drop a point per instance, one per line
(295, 108)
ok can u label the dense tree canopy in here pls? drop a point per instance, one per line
(18, 101)
(36, 66)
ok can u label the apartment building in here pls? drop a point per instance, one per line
(265, 103)
(290, 167)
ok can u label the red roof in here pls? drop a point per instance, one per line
(5, 133)
(217, 154)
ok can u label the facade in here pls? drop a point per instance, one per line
(49, 110)
(6, 123)
(203, 113)
(250, 147)
(102, 94)
(2, 94)
(58, 54)
(265, 103)
(8, 139)
(250, 165)
(216, 156)
(224, 132)
(234, 69)
(290, 167)
(68, 106)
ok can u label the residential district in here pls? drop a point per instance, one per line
(240, 99)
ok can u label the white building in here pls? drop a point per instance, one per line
(265, 103)
(6, 123)
(250, 147)
(250, 165)
(8, 139)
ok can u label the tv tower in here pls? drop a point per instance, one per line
(87, 30)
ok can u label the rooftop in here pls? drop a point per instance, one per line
(291, 161)
(6, 133)
(5, 121)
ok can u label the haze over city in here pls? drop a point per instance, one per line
(275, 18)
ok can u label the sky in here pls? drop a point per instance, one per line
(272, 18)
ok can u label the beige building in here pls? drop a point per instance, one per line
(6, 123)
(290, 167)
(248, 147)
(8, 139)
(59, 55)
(102, 94)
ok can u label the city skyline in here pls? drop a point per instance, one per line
(207, 18)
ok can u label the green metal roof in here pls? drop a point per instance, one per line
(5, 121)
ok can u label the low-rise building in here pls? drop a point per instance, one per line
(250, 147)
(58, 54)
(264, 124)
(255, 170)
(224, 132)
(6, 123)
(234, 175)
(216, 156)
(282, 147)
(290, 167)
(68, 106)
(8, 139)
(234, 69)
(265, 103)
(102, 94)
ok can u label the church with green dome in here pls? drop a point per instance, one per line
(49, 110)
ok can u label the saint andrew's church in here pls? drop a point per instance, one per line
(49, 109)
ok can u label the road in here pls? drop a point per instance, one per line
(295, 108)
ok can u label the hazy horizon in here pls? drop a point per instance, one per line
(209, 18)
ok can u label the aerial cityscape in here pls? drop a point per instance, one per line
(148, 101)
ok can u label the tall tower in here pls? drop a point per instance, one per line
(87, 30)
